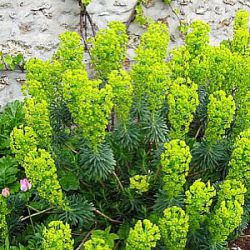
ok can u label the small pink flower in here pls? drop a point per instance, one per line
(25, 185)
(5, 192)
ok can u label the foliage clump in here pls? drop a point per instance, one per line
(101, 240)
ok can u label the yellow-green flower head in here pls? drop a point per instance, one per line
(139, 183)
(143, 236)
(57, 237)
(174, 228)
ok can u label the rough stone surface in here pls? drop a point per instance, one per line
(10, 87)
(32, 27)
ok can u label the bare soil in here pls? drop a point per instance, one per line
(243, 242)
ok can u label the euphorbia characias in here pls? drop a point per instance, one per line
(57, 236)
(38, 70)
(167, 1)
(101, 240)
(22, 141)
(47, 184)
(151, 79)
(89, 105)
(3, 224)
(143, 236)
(156, 97)
(156, 38)
(239, 165)
(96, 244)
(242, 119)
(140, 17)
(44, 78)
(218, 65)
(150, 75)
(228, 210)
(37, 117)
(198, 38)
(122, 94)
(175, 165)
(180, 62)
(198, 200)
(140, 183)
(221, 109)
(109, 48)
(70, 47)
(36, 161)
(174, 228)
(182, 101)
(86, 2)
(240, 42)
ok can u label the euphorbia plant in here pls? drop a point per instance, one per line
(144, 149)
(175, 166)
(143, 236)
(57, 236)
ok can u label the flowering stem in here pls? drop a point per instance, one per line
(118, 180)
(32, 215)
(198, 132)
(32, 224)
(36, 210)
(85, 238)
(157, 172)
(74, 151)
(105, 216)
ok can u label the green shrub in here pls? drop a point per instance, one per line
(157, 154)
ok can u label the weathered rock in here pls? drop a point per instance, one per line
(231, 2)
(184, 2)
(9, 92)
(33, 23)
(201, 10)
(4, 80)
(4, 4)
(32, 27)
(219, 10)
(105, 11)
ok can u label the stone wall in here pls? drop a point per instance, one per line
(32, 27)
